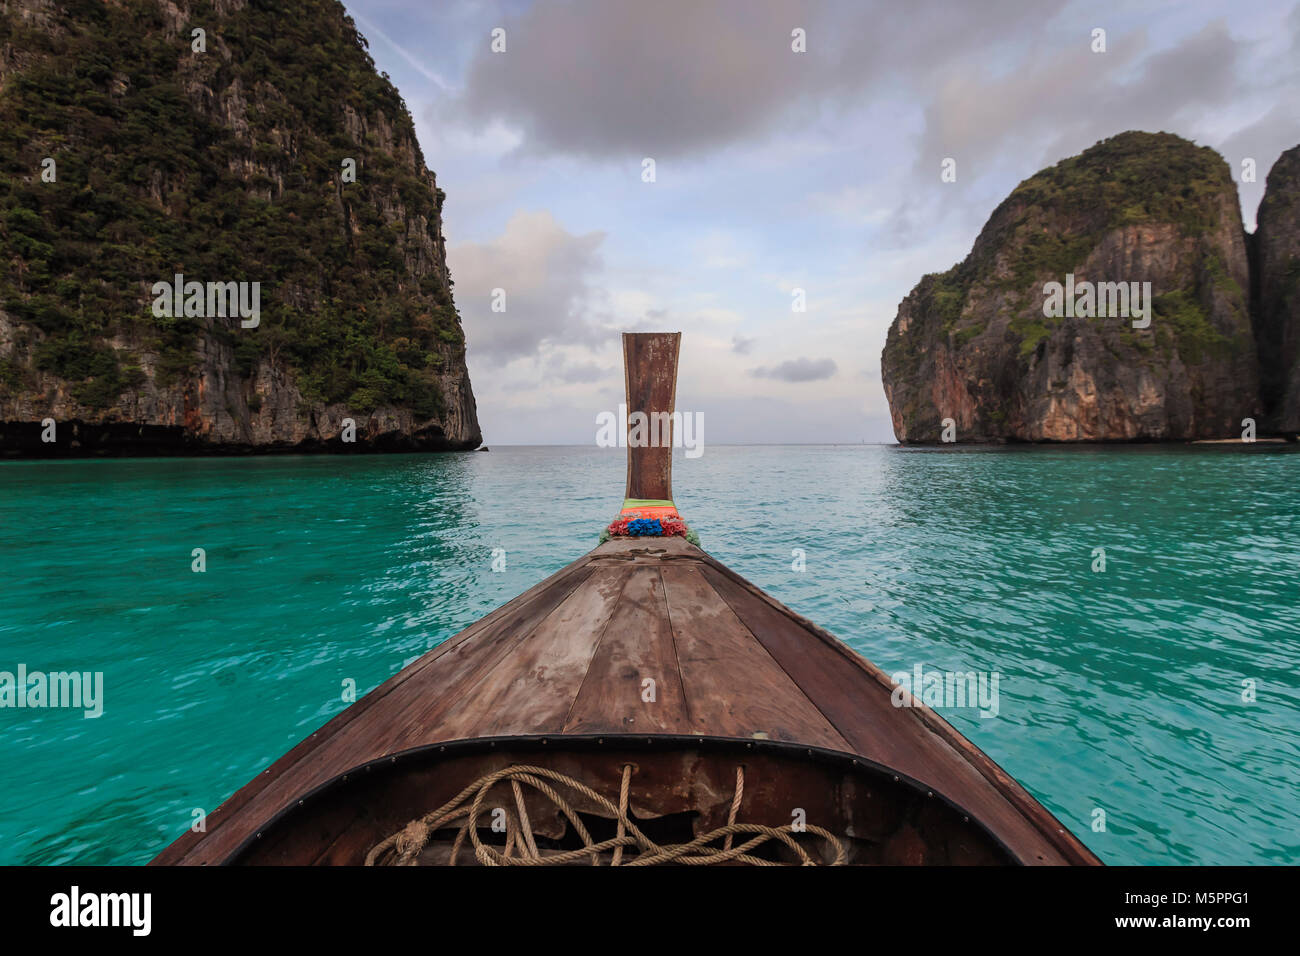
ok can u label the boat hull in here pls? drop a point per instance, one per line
(679, 788)
(640, 639)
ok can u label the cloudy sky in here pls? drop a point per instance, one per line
(774, 171)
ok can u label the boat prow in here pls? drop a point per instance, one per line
(645, 704)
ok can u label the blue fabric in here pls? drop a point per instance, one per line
(644, 526)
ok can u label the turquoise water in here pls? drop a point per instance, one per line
(1119, 690)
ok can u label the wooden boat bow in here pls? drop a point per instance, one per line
(645, 653)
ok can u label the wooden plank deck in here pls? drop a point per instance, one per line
(570, 657)
(636, 647)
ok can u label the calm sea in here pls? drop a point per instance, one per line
(1120, 690)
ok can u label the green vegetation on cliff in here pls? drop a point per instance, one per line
(1145, 209)
(1050, 223)
(1129, 179)
(152, 181)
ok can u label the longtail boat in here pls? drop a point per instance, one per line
(644, 704)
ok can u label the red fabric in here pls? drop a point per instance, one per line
(672, 523)
(655, 511)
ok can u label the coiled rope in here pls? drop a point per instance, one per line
(403, 847)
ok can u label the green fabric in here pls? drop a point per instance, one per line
(647, 503)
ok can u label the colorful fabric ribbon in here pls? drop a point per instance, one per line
(649, 519)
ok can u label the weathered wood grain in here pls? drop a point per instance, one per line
(534, 686)
(569, 656)
(733, 686)
(636, 646)
(855, 696)
(650, 364)
(368, 728)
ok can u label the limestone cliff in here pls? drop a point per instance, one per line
(974, 344)
(228, 142)
(1277, 274)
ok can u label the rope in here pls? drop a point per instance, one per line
(623, 791)
(735, 805)
(403, 847)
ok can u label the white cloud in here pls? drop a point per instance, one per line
(778, 171)
(541, 273)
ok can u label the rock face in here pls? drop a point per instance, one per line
(1277, 272)
(973, 344)
(229, 143)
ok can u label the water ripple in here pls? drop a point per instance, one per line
(1121, 689)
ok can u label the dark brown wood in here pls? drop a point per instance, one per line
(637, 646)
(832, 675)
(650, 364)
(680, 788)
(733, 686)
(568, 661)
(534, 686)
(568, 658)
(353, 736)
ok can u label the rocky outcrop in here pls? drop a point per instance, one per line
(990, 346)
(1277, 269)
(268, 150)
